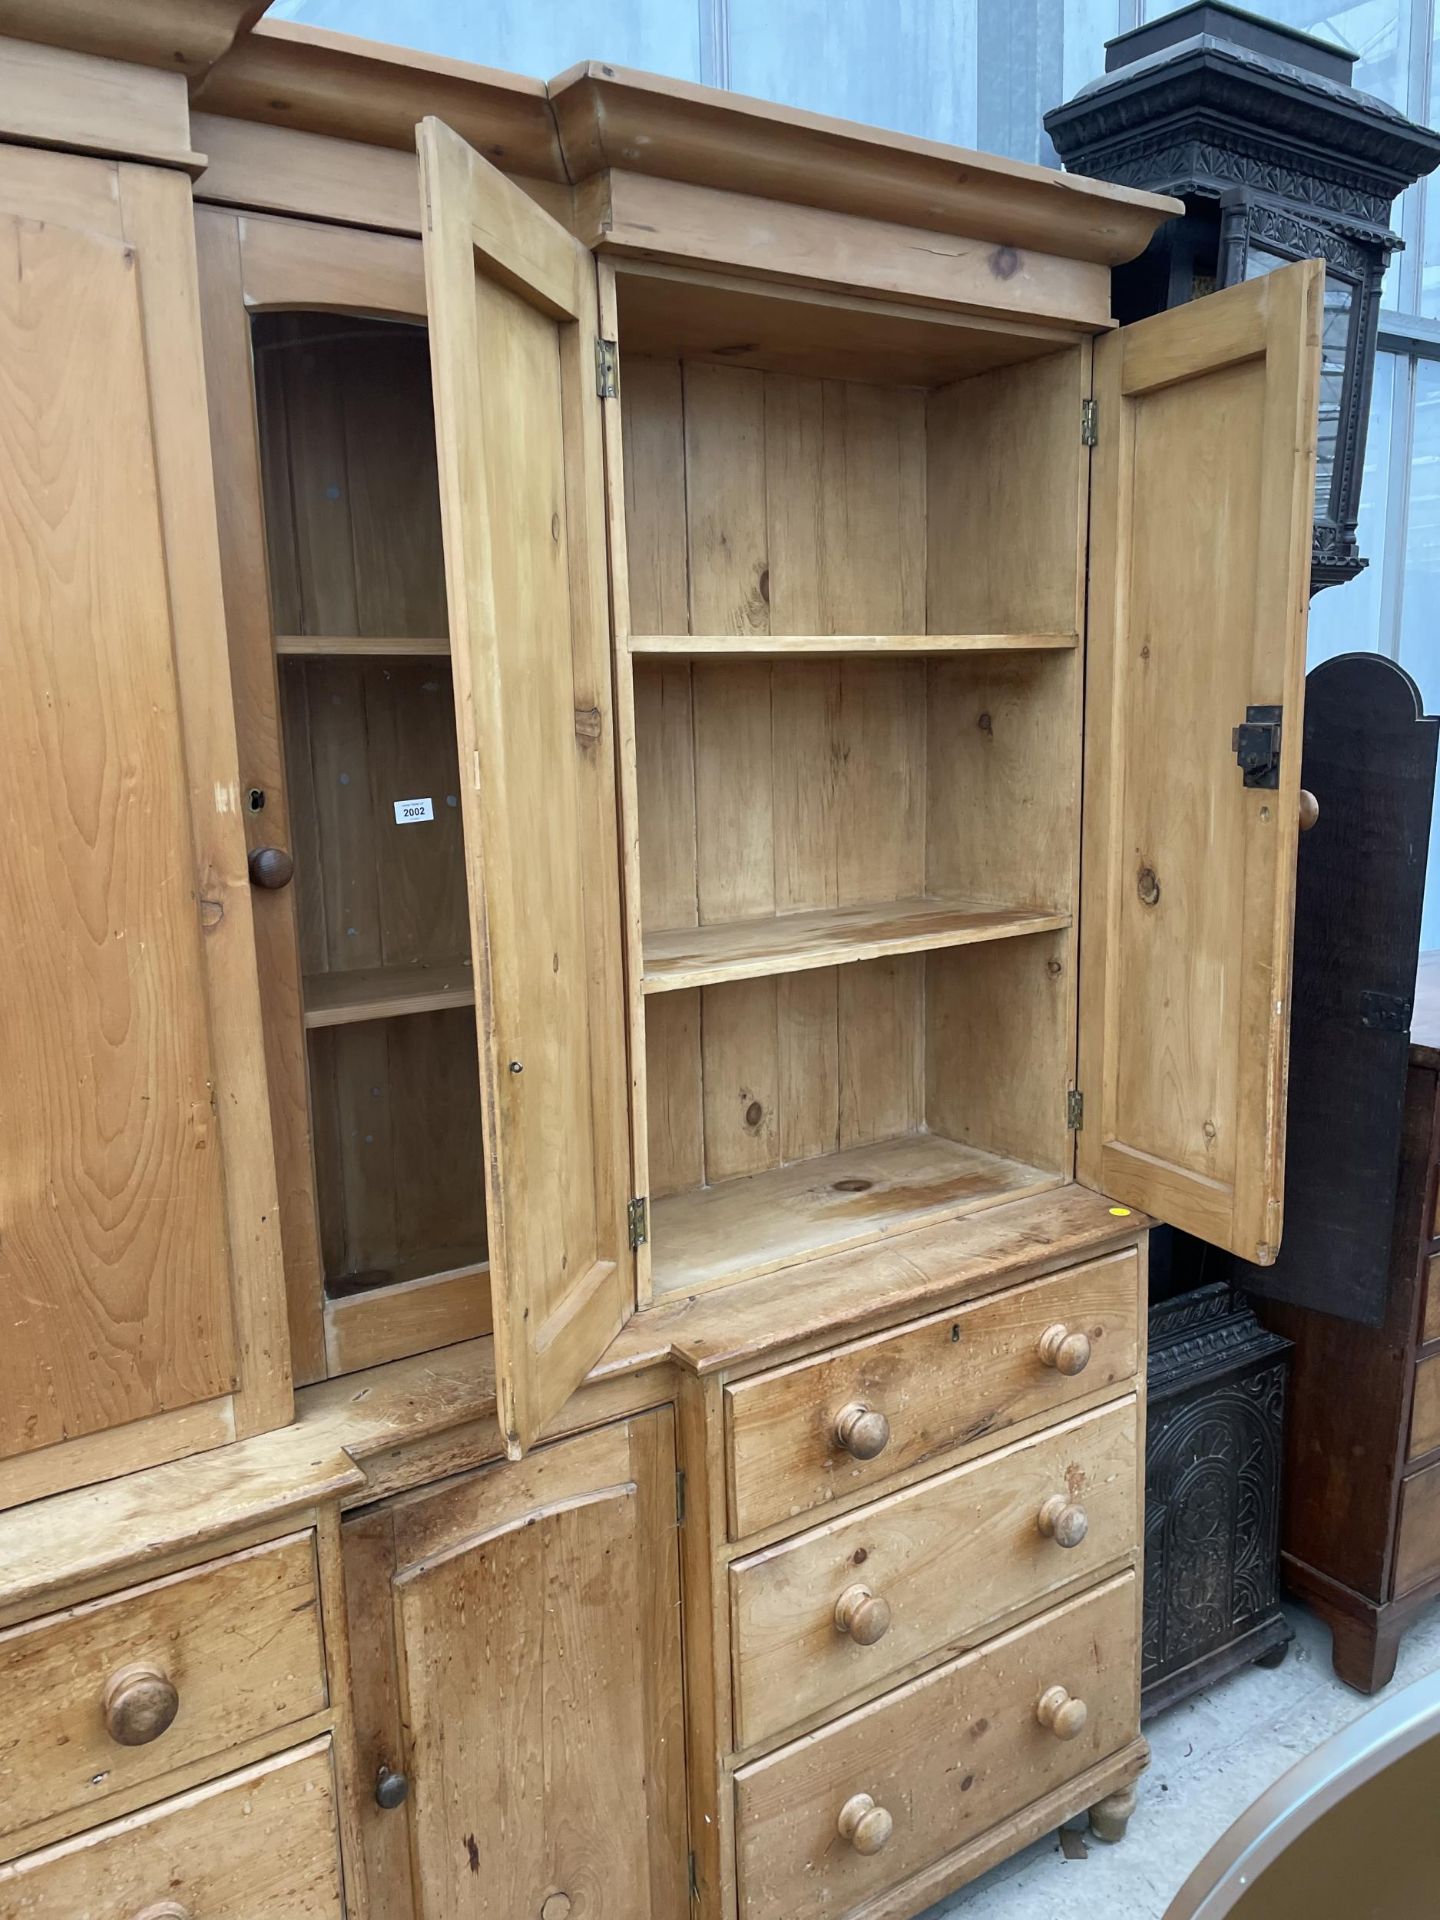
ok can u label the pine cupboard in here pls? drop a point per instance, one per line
(654, 815)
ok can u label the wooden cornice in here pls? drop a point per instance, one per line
(597, 117)
(332, 83)
(612, 117)
(181, 36)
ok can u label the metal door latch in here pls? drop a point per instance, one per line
(1257, 746)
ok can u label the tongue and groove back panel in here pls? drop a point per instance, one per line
(924, 776)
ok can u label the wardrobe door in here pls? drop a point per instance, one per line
(139, 1247)
(515, 1644)
(324, 444)
(1203, 487)
(513, 339)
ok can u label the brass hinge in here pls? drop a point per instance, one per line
(638, 1214)
(1074, 1109)
(607, 369)
(680, 1496)
(1089, 422)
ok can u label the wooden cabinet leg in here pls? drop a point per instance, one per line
(1111, 1816)
(1365, 1651)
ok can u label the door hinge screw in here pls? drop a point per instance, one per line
(607, 369)
(639, 1216)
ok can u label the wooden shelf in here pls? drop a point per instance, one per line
(386, 993)
(784, 646)
(770, 1220)
(324, 645)
(422, 1269)
(828, 937)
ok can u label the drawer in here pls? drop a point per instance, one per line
(229, 1650)
(796, 1438)
(927, 1570)
(944, 1759)
(1430, 1319)
(1417, 1539)
(259, 1845)
(1425, 1408)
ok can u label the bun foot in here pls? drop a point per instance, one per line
(1111, 1816)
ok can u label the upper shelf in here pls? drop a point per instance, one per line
(820, 645)
(323, 645)
(826, 937)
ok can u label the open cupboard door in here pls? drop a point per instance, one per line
(512, 339)
(1202, 497)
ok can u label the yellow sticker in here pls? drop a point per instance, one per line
(1121, 1213)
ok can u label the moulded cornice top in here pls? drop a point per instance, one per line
(614, 117)
(352, 89)
(182, 36)
(598, 116)
(1213, 89)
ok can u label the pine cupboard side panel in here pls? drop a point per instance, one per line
(241, 518)
(124, 1252)
(158, 216)
(641, 582)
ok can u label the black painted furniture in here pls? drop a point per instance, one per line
(1212, 1486)
(1355, 1286)
(1256, 127)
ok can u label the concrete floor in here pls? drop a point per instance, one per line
(1212, 1756)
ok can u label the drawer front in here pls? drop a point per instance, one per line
(928, 1569)
(259, 1845)
(110, 1695)
(944, 1759)
(1430, 1322)
(925, 1389)
(1417, 1540)
(1425, 1408)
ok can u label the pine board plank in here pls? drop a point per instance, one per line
(683, 957)
(766, 1221)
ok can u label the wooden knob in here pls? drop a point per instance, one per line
(140, 1703)
(392, 1789)
(1062, 1715)
(866, 1826)
(1309, 809)
(1067, 1352)
(861, 1431)
(271, 868)
(863, 1615)
(1063, 1521)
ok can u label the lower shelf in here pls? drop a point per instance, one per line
(428, 1300)
(770, 1220)
(385, 993)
